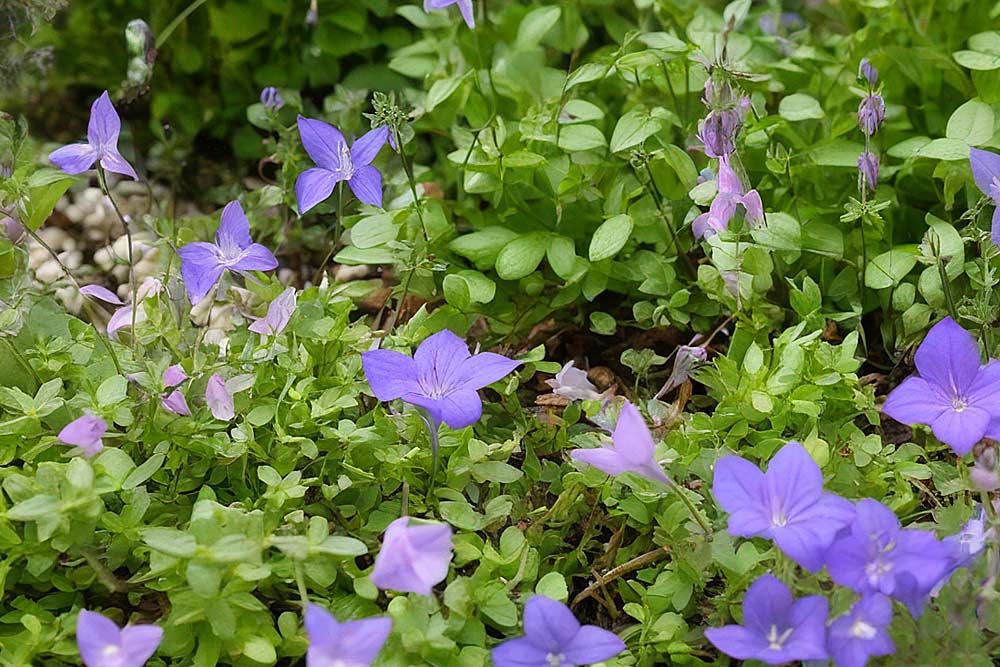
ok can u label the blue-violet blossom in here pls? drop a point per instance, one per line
(102, 143)
(986, 172)
(103, 644)
(632, 449)
(861, 633)
(347, 644)
(336, 162)
(414, 557)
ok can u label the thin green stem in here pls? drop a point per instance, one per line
(23, 361)
(300, 582)
(408, 169)
(102, 178)
(692, 510)
(177, 21)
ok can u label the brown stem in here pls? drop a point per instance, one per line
(636, 563)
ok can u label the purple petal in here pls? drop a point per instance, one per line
(234, 230)
(173, 376)
(729, 182)
(322, 629)
(112, 160)
(794, 478)
(961, 430)
(439, 360)
(353, 642)
(593, 644)
(139, 643)
(808, 640)
(437, 4)
(549, 624)
(519, 652)
(465, 6)
(119, 320)
(75, 158)
(201, 267)
(105, 125)
(413, 558)
(323, 142)
(177, 404)
(94, 634)
(604, 459)
(86, 432)
(736, 641)
(366, 184)
(948, 357)
(457, 409)
(754, 207)
(701, 226)
(368, 145)
(737, 484)
(985, 169)
(255, 258)
(995, 227)
(914, 402)
(484, 369)
(389, 374)
(766, 603)
(633, 440)
(219, 398)
(313, 186)
(985, 388)
(102, 294)
(279, 312)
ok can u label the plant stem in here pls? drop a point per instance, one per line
(177, 21)
(23, 361)
(692, 510)
(408, 169)
(112, 582)
(102, 178)
(643, 560)
(300, 582)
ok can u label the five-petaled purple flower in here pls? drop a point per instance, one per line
(723, 208)
(203, 263)
(862, 632)
(336, 162)
(632, 449)
(85, 432)
(101, 146)
(953, 394)
(415, 555)
(776, 627)
(786, 504)
(442, 377)
(878, 556)
(279, 312)
(554, 638)
(348, 644)
(464, 6)
(271, 99)
(986, 172)
(103, 644)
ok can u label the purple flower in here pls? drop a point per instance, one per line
(203, 263)
(572, 383)
(464, 6)
(717, 131)
(177, 404)
(102, 143)
(971, 541)
(415, 556)
(953, 394)
(336, 162)
(173, 376)
(219, 398)
(867, 71)
(101, 294)
(786, 504)
(123, 316)
(632, 449)
(85, 432)
(868, 169)
(878, 556)
(723, 208)
(271, 99)
(103, 644)
(554, 638)
(776, 627)
(348, 644)
(11, 228)
(986, 172)
(685, 359)
(871, 114)
(984, 470)
(442, 377)
(279, 312)
(861, 633)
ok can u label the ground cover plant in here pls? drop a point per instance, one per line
(467, 334)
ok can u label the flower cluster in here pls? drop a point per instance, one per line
(871, 115)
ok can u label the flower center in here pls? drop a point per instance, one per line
(876, 570)
(776, 640)
(862, 630)
(554, 659)
(959, 403)
(778, 517)
(111, 650)
(346, 164)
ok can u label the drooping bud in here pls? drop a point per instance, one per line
(271, 99)
(868, 164)
(871, 114)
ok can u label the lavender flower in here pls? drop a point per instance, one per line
(685, 359)
(101, 146)
(868, 72)
(173, 376)
(271, 99)
(348, 644)
(279, 312)
(984, 473)
(336, 162)
(415, 556)
(871, 113)
(11, 228)
(862, 633)
(727, 109)
(103, 644)
(723, 208)
(464, 6)
(786, 504)
(203, 263)
(177, 404)
(776, 627)
(554, 638)
(632, 449)
(868, 169)
(986, 172)
(572, 383)
(953, 394)
(971, 541)
(219, 398)
(101, 294)
(85, 432)
(123, 316)
(442, 377)
(878, 556)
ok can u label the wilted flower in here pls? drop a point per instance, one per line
(271, 99)
(727, 109)
(85, 432)
(862, 633)
(868, 169)
(102, 294)
(871, 113)
(219, 398)
(173, 376)
(348, 644)
(971, 541)
(123, 316)
(442, 377)
(279, 312)
(11, 228)
(632, 449)
(986, 172)
(786, 504)
(776, 627)
(984, 473)
(103, 644)
(723, 208)
(953, 394)
(336, 162)
(572, 383)
(868, 72)
(415, 555)
(203, 263)
(101, 146)
(685, 359)
(464, 6)
(177, 404)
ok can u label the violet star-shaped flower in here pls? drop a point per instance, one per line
(723, 208)
(786, 504)
(877, 555)
(336, 162)
(103, 644)
(414, 557)
(203, 263)
(442, 377)
(986, 172)
(952, 394)
(776, 628)
(464, 6)
(348, 644)
(101, 146)
(85, 432)
(572, 383)
(632, 449)
(554, 638)
(862, 633)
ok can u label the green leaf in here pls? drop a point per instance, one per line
(112, 391)
(441, 90)
(260, 650)
(889, 268)
(800, 107)
(633, 129)
(553, 585)
(972, 123)
(523, 160)
(602, 323)
(983, 53)
(149, 468)
(535, 24)
(374, 231)
(575, 138)
(521, 256)
(779, 232)
(496, 471)
(340, 545)
(610, 237)
(235, 21)
(945, 149)
(482, 247)
(463, 288)
(42, 200)
(580, 111)
(562, 256)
